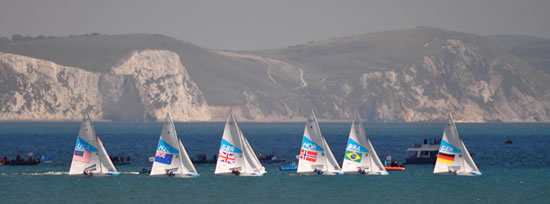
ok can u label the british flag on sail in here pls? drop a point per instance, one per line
(227, 157)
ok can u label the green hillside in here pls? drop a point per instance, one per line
(509, 42)
(537, 54)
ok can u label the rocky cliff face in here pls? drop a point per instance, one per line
(143, 86)
(420, 80)
(418, 74)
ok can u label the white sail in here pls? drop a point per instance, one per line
(453, 157)
(315, 153)
(171, 157)
(360, 156)
(90, 156)
(236, 153)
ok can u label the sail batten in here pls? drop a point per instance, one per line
(453, 157)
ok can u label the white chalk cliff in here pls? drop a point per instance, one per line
(143, 86)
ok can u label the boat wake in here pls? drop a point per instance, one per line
(56, 173)
(46, 173)
(130, 172)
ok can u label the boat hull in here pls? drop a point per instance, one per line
(242, 174)
(379, 173)
(459, 173)
(322, 174)
(288, 168)
(395, 168)
(185, 175)
(97, 174)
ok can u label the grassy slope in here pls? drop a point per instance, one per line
(537, 54)
(509, 42)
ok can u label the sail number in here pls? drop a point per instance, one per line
(227, 148)
(309, 146)
(354, 148)
(446, 149)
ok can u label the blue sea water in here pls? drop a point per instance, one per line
(517, 173)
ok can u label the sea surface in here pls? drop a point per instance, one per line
(517, 173)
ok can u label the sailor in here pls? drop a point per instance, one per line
(144, 171)
(318, 171)
(236, 171)
(361, 171)
(170, 173)
(87, 173)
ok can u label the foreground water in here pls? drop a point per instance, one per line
(517, 173)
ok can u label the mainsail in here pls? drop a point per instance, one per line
(90, 156)
(453, 157)
(236, 155)
(315, 154)
(360, 156)
(171, 157)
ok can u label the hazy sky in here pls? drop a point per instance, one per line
(258, 24)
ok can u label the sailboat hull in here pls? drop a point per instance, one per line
(380, 173)
(458, 173)
(321, 174)
(186, 175)
(98, 174)
(242, 174)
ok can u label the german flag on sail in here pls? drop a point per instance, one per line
(445, 158)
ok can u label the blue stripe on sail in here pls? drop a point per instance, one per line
(82, 145)
(448, 148)
(356, 147)
(228, 147)
(310, 145)
(166, 148)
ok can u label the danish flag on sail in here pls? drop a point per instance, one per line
(308, 155)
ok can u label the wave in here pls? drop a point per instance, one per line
(56, 173)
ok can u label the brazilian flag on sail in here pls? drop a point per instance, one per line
(353, 156)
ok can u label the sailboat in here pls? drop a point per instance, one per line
(236, 156)
(453, 157)
(360, 156)
(315, 154)
(171, 158)
(90, 157)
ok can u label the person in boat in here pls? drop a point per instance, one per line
(387, 161)
(361, 170)
(394, 163)
(170, 173)
(236, 171)
(508, 141)
(87, 173)
(318, 171)
(144, 171)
